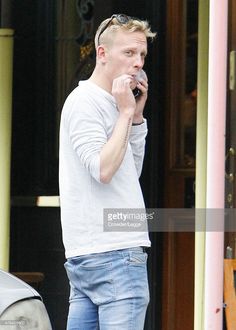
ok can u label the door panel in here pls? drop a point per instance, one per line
(230, 165)
(178, 265)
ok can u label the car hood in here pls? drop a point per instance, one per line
(12, 289)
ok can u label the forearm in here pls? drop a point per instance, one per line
(113, 151)
(131, 112)
(137, 141)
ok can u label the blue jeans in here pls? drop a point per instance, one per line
(109, 291)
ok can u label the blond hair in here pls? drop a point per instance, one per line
(132, 25)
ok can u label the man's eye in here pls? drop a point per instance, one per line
(129, 52)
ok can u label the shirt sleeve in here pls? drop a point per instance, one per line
(137, 141)
(87, 135)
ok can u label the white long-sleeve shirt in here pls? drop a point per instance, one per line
(87, 121)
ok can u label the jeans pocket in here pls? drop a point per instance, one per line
(97, 282)
(137, 258)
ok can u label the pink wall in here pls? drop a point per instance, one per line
(216, 162)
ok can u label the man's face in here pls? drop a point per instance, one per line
(126, 54)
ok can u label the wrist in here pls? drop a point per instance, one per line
(138, 120)
(126, 118)
(126, 112)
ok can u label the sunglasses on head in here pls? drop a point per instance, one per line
(121, 18)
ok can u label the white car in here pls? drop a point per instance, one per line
(21, 307)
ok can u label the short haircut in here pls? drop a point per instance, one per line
(132, 25)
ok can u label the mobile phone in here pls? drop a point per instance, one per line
(140, 75)
(136, 92)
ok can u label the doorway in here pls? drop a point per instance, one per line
(178, 263)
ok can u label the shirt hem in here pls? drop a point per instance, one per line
(101, 249)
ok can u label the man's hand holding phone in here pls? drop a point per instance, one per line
(141, 75)
(140, 94)
(131, 94)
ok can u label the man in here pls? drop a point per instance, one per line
(102, 139)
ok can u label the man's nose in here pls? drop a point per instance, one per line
(139, 62)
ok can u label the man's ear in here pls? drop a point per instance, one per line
(101, 53)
